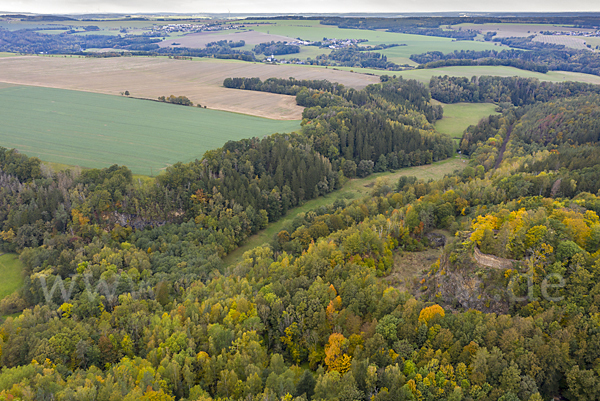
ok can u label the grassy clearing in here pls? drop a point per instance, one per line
(92, 130)
(10, 270)
(424, 75)
(459, 116)
(409, 265)
(592, 41)
(353, 189)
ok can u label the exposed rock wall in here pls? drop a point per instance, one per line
(492, 261)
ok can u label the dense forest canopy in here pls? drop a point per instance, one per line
(126, 295)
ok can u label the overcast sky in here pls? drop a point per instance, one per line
(279, 6)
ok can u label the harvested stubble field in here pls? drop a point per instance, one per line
(149, 77)
(201, 39)
(518, 30)
(95, 130)
(574, 42)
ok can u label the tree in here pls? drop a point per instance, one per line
(427, 314)
(335, 358)
(365, 168)
(306, 385)
(349, 168)
(382, 164)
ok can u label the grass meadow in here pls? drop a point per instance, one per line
(10, 271)
(94, 130)
(353, 189)
(458, 116)
(424, 75)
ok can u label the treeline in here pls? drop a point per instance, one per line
(368, 48)
(24, 41)
(526, 43)
(353, 57)
(32, 42)
(410, 94)
(227, 43)
(217, 51)
(181, 100)
(436, 59)
(276, 48)
(541, 57)
(384, 126)
(580, 21)
(283, 86)
(515, 90)
(459, 34)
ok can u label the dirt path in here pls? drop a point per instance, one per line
(503, 147)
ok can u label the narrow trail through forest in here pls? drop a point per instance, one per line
(503, 147)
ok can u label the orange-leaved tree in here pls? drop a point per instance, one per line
(430, 312)
(335, 358)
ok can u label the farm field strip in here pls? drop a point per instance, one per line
(199, 40)
(574, 42)
(424, 75)
(94, 130)
(149, 77)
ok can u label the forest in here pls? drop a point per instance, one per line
(514, 90)
(429, 24)
(538, 56)
(126, 295)
(275, 48)
(356, 57)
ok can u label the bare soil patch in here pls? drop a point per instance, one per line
(408, 266)
(200, 39)
(200, 80)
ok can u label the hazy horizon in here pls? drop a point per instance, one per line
(309, 6)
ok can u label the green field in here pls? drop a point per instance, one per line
(424, 75)
(458, 116)
(94, 130)
(353, 189)
(415, 44)
(10, 271)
